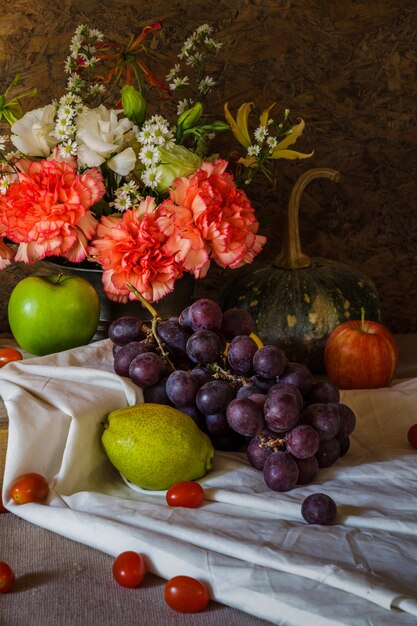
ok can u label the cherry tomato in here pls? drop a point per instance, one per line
(7, 577)
(186, 595)
(188, 494)
(30, 487)
(2, 507)
(7, 355)
(129, 569)
(412, 436)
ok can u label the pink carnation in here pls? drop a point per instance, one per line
(208, 217)
(46, 210)
(132, 249)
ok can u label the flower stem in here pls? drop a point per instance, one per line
(363, 320)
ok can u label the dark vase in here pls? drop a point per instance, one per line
(171, 304)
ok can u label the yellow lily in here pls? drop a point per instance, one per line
(239, 128)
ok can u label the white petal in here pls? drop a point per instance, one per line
(124, 162)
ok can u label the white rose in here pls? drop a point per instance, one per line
(32, 133)
(101, 138)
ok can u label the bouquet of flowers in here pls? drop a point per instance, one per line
(141, 197)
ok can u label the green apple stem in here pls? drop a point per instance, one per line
(155, 319)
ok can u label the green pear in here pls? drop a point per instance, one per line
(155, 446)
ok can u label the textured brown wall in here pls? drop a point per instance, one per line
(348, 68)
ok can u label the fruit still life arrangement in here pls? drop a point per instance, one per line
(210, 384)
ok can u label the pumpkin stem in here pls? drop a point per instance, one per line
(291, 257)
(362, 319)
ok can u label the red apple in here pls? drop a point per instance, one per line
(361, 354)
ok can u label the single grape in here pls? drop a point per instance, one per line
(324, 417)
(157, 394)
(195, 414)
(264, 384)
(269, 361)
(125, 356)
(302, 441)
(214, 396)
(323, 391)
(258, 449)
(299, 375)
(202, 374)
(240, 354)
(236, 322)
(205, 314)
(344, 443)
(184, 318)
(146, 369)
(204, 346)
(245, 417)
(245, 391)
(347, 421)
(217, 424)
(181, 388)
(280, 471)
(125, 329)
(328, 452)
(319, 508)
(173, 335)
(307, 469)
(283, 389)
(281, 412)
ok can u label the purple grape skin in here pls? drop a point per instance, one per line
(283, 389)
(157, 394)
(307, 469)
(258, 450)
(269, 361)
(302, 441)
(204, 346)
(125, 356)
(184, 317)
(247, 390)
(214, 396)
(347, 421)
(235, 322)
(299, 375)
(125, 329)
(323, 391)
(281, 412)
(344, 443)
(328, 452)
(324, 417)
(217, 423)
(259, 398)
(174, 336)
(146, 369)
(264, 384)
(115, 349)
(245, 417)
(240, 354)
(195, 414)
(280, 471)
(181, 388)
(202, 374)
(319, 508)
(205, 314)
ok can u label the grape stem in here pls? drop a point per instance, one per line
(219, 372)
(155, 319)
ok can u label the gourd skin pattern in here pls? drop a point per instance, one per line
(298, 309)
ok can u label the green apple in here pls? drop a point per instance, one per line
(52, 313)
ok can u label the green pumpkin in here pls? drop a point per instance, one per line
(297, 301)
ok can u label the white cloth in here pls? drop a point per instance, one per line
(249, 544)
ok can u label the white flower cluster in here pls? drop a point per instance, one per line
(265, 140)
(193, 52)
(126, 197)
(154, 135)
(82, 56)
(69, 108)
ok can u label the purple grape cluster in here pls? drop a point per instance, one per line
(206, 363)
